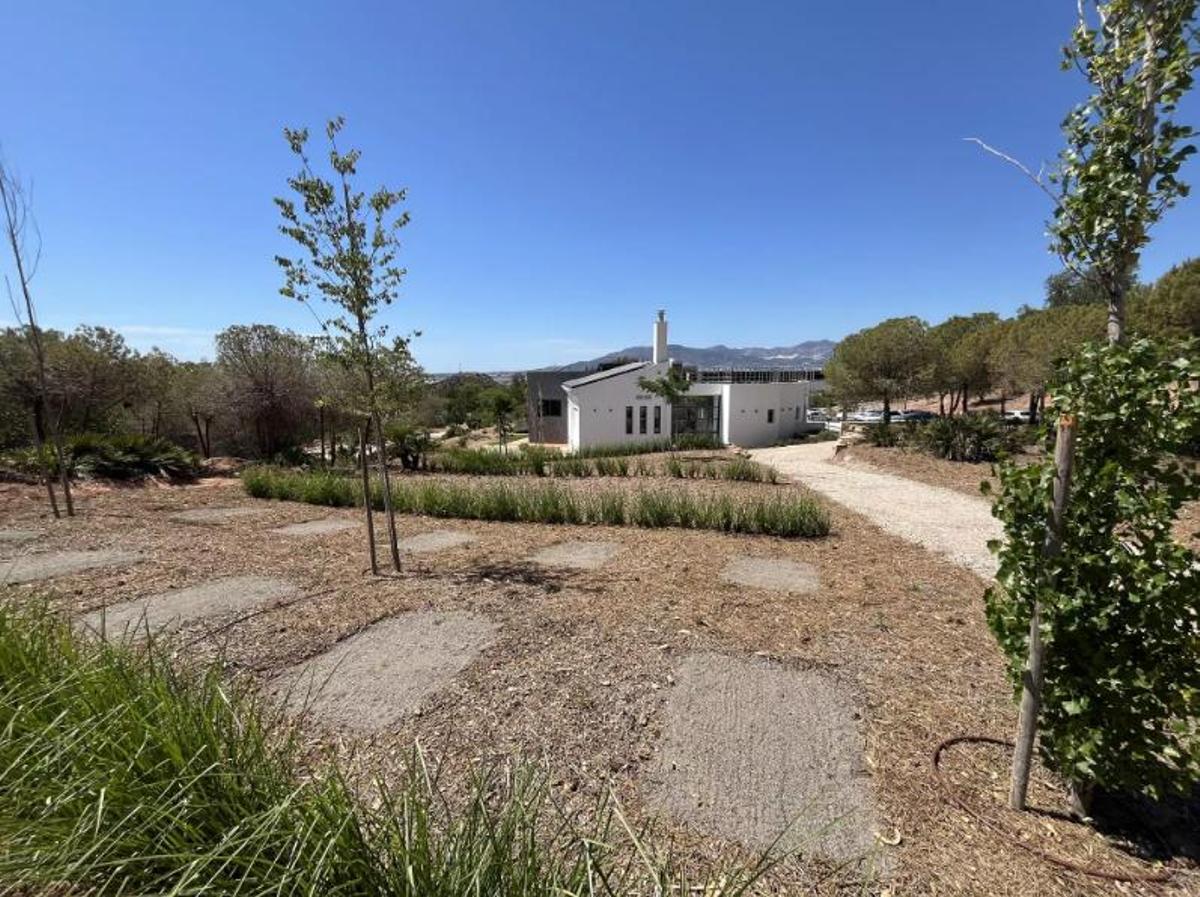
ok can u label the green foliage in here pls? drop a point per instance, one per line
(681, 443)
(1119, 171)
(1121, 699)
(409, 444)
(891, 360)
(672, 386)
(124, 774)
(785, 513)
(1069, 288)
(883, 435)
(973, 438)
(1170, 309)
(128, 457)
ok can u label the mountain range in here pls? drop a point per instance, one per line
(813, 353)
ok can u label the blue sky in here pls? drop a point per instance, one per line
(768, 172)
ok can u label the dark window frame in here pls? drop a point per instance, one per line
(657, 419)
(642, 415)
(628, 420)
(548, 405)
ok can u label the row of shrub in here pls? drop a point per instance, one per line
(971, 437)
(788, 514)
(116, 457)
(125, 774)
(548, 463)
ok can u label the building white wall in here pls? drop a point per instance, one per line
(746, 418)
(596, 411)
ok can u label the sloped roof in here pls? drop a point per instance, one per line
(604, 375)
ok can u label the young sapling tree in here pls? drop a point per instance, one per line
(349, 242)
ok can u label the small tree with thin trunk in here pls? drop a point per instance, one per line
(349, 242)
(1097, 604)
(18, 227)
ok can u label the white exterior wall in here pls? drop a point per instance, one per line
(596, 411)
(745, 411)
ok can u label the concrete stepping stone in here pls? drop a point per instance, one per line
(752, 751)
(48, 565)
(169, 610)
(212, 516)
(18, 536)
(375, 677)
(772, 574)
(322, 527)
(577, 555)
(435, 540)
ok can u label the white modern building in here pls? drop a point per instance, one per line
(734, 407)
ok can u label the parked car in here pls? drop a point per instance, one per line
(917, 416)
(817, 416)
(1017, 415)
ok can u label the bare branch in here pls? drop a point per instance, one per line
(1017, 164)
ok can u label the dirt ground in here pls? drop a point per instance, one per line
(578, 674)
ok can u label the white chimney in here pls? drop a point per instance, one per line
(660, 338)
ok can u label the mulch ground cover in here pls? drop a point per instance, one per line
(583, 661)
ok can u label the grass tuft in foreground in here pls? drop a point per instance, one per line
(788, 513)
(123, 774)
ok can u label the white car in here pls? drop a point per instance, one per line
(1017, 415)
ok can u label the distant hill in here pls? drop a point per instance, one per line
(813, 353)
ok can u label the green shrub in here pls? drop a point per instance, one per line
(124, 774)
(120, 457)
(786, 513)
(971, 437)
(883, 435)
(1121, 696)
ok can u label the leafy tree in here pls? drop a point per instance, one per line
(1072, 288)
(349, 244)
(959, 347)
(1108, 624)
(672, 386)
(1170, 309)
(270, 384)
(892, 360)
(200, 394)
(1120, 601)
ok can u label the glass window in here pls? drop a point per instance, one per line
(629, 420)
(642, 419)
(551, 407)
(657, 419)
(770, 415)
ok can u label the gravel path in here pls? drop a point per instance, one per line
(946, 522)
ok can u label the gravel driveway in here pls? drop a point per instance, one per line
(945, 522)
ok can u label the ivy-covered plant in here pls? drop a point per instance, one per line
(1121, 621)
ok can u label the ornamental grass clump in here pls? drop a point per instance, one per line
(125, 773)
(786, 513)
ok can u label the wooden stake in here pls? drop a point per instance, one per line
(1031, 692)
(366, 482)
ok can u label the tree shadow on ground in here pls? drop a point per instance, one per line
(1153, 830)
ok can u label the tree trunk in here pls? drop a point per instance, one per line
(941, 404)
(47, 476)
(887, 409)
(366, 484)
(1033, 408)
(1031, 691)
(1003, 402)
(321, 427)
(389, 514)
